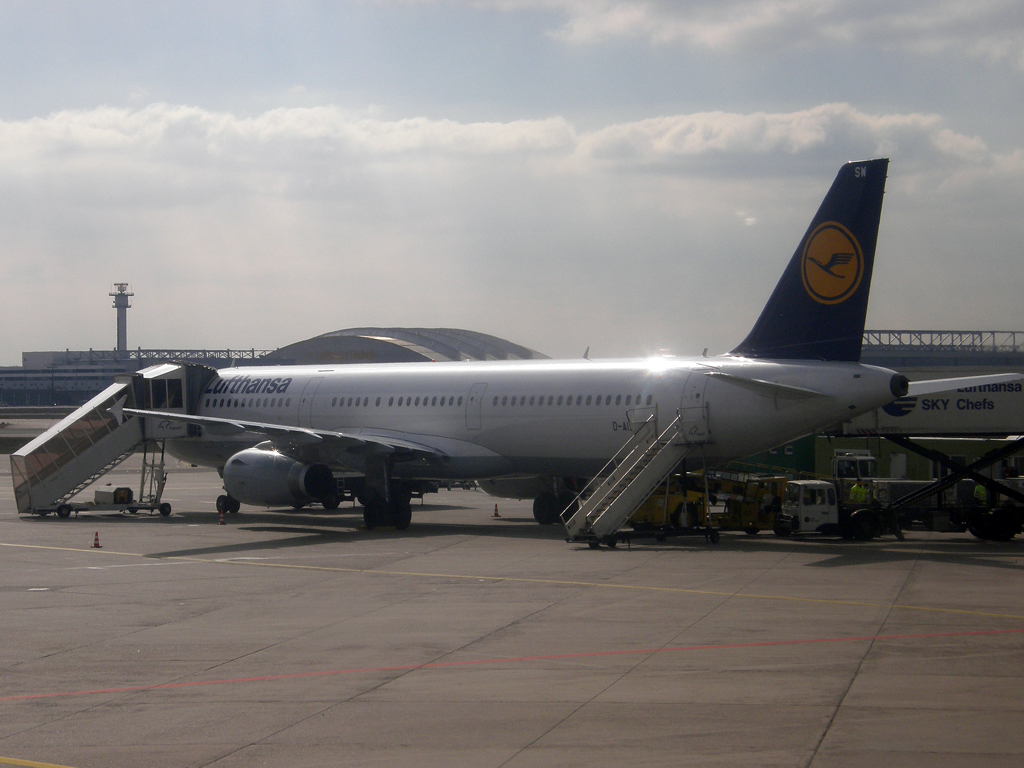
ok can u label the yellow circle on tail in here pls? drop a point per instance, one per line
(832, 264)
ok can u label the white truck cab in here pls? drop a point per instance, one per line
(812, 506)
(812, 503)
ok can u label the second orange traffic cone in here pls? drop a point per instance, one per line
(96, 541)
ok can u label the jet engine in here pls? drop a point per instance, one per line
(264, 477)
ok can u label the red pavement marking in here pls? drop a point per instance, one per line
(517, 660)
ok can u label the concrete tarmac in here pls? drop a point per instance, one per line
(299, 639)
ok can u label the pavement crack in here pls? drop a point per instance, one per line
(860, 664)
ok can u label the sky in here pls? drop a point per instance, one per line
(625, 175)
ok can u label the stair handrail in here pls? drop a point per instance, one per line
(628, 447)
(634, 439)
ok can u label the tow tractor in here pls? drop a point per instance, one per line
(675, 509)
(749, 502)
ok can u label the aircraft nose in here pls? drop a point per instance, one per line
(899, 385)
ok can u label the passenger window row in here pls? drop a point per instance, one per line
(410, 402)
(443, 401)
(569, 400)
(252, 402)
(360, 402)
(336, 402)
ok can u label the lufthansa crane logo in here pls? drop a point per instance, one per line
(832, 265)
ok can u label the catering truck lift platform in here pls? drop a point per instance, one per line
(993, 412)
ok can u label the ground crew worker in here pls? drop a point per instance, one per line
(858, 494)
(980, 495)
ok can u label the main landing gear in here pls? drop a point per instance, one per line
(395, 510)
(549, 508)
(228, 505)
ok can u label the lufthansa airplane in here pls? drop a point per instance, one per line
(282, 435)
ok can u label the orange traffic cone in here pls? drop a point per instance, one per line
(96, 541)
(221, 517)
(495, 511)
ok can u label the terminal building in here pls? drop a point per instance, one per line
(71, 378)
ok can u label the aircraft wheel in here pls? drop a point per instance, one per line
(865, 525)
(222, 503)
(546, 509)
(398, 511)
(64, 510)
(401, 513)
(1001, 527)
(374, 512)
(233, 506)
(165, 509)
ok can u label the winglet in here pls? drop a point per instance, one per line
(117, 410)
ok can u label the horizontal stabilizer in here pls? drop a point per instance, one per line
(762, 387)
(931, 386)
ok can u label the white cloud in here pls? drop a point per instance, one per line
(257, 231)
(988, 29)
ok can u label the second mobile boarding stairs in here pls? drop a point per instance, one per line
(643, 463)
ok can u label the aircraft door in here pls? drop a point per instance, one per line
(306, 401)
(474, 406)
(694, 410)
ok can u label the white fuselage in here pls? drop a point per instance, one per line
(560, 418)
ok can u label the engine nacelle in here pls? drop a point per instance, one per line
(264, 477)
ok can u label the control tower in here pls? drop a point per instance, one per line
(122, 294)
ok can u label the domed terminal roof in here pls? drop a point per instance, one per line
(400, 345)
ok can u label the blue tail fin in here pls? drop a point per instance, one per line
(817, 310)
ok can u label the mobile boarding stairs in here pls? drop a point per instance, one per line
(52, 469)
(643, 463)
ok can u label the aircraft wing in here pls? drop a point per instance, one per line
(930, 386)
(291, 439)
